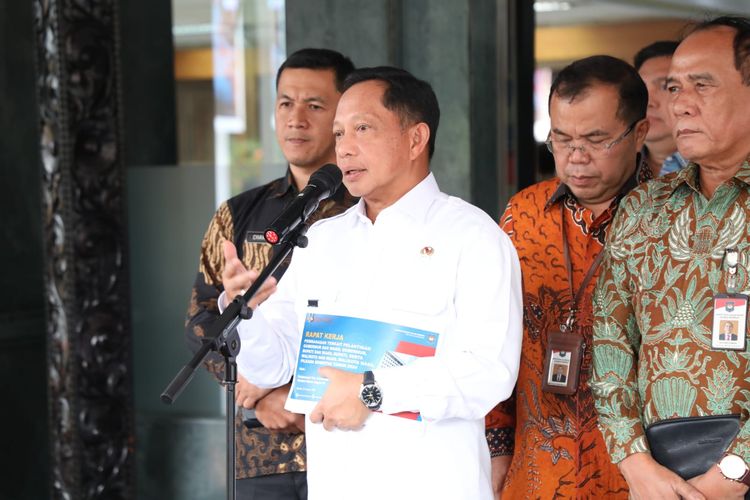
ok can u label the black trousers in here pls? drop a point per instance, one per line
(289, 486)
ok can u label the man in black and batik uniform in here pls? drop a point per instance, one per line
(271, 459)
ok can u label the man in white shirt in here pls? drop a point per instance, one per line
(409, 255)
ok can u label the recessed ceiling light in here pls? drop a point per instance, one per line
(550, 6)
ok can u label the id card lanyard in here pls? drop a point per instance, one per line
(728, 331)
(564, 354)
(569, 323)
(731, 260)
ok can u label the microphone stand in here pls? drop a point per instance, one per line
(222, 337)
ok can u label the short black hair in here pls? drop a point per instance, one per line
(319, 59)
(411, 98)
(576, 78)
(741, 43)
(662, 48)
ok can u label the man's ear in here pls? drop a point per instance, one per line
(641, 131)
(419, 138)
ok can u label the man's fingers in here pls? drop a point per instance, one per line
(688, 491)
(328, 372)
(230, 251)
(265, 291)
(234, 277)
(233, 266)
(299, 422)
(236, 270)
(248, 403)
(237, 279)
(329, 424)
(246, 400)
(316, 416)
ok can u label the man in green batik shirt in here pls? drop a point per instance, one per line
(664, 265)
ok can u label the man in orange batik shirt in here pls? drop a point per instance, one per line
(544, 441)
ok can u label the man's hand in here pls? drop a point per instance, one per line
(714, 485)
(500, 466)
(236, 279)
(271, 413)
(246, 394)
(340, 406)
(647, 479)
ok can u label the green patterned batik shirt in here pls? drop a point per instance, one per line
(653, 310)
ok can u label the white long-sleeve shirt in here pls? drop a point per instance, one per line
(430, 261)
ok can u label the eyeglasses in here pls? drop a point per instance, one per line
(588, 147)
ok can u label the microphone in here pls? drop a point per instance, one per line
(323, 183)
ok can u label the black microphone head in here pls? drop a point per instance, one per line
(323, 183)
(328, 176)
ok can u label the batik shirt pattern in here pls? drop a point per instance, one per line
(653, 310)
(558, 452)
(242, 220)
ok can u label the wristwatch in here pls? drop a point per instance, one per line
(369, 392)
(734, 468)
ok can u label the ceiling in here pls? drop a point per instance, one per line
(192, 18)
(572, 12)
(575, 12)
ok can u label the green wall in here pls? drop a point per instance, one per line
(180, 448)
(23, 391)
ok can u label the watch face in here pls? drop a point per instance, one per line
(732, 466)
(371, 396)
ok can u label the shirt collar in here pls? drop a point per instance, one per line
(561, 191)
(672, 163)
(689, 176)
(282, 187)
(414, 204)
(743, 174)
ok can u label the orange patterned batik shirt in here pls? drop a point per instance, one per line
(558, 451)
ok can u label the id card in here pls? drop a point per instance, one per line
(562, 363)
(730, 316)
